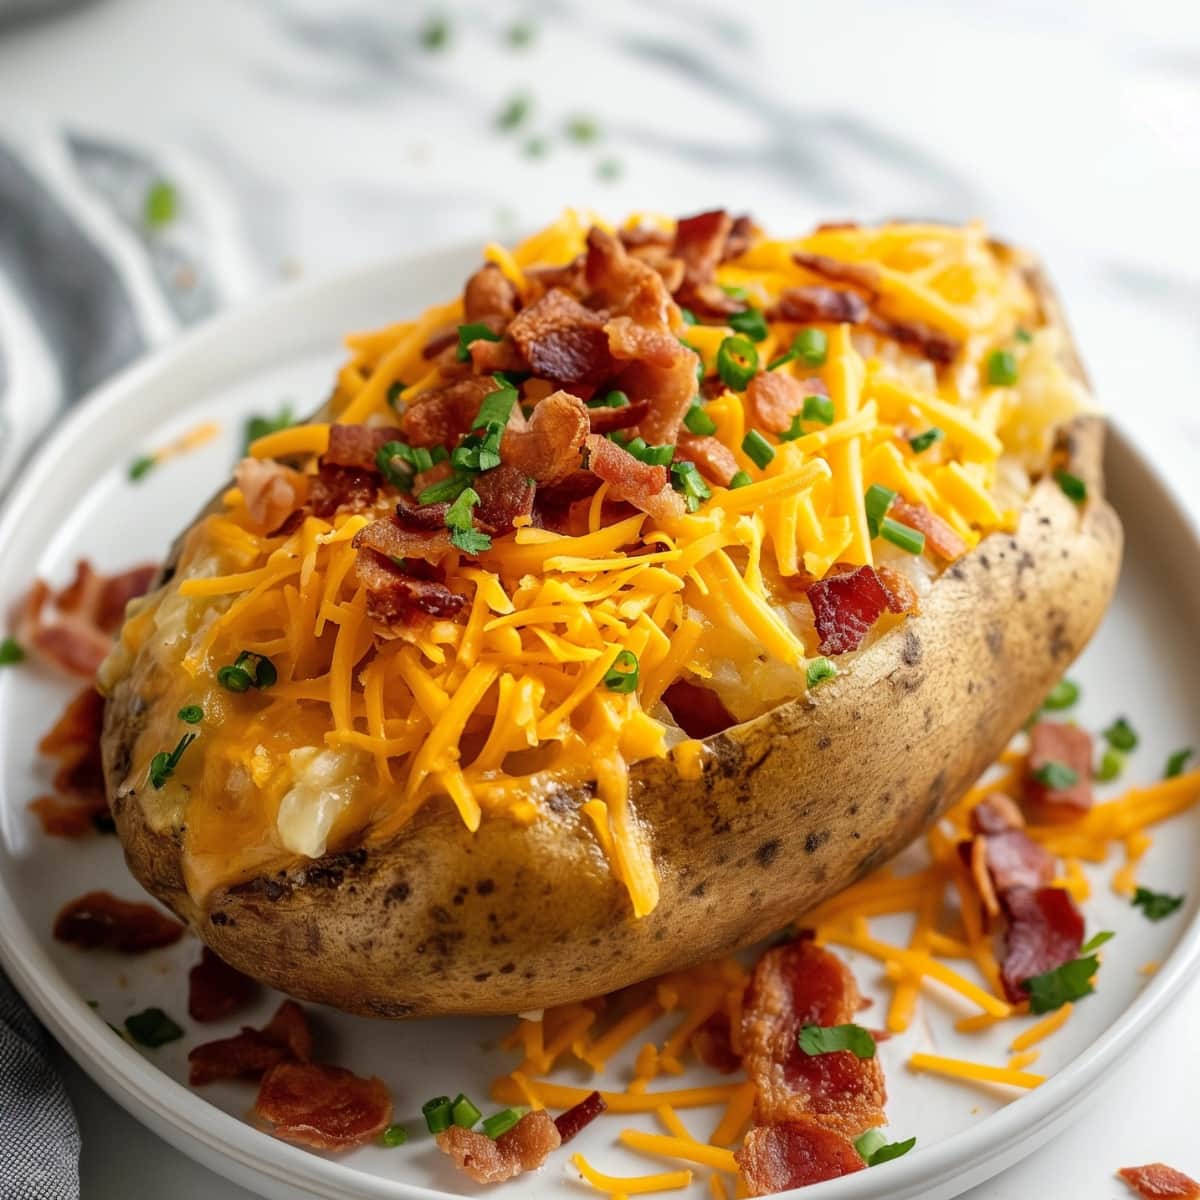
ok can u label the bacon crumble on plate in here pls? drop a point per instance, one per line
(98, 920)
(1157, 1181)
(323, 1107)
(250, 1053)
(524, 1147)
(216, 990)
(79, 804)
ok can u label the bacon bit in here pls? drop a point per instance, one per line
(934, 345)
(740, 237)
(327, 1108)
(67, 818)
(249, 1054)
(398, 598)
(569, 277)
(1015, 860)
(669, 391)
(487, 358)
(635, 237)
(712, 1044)
(1051, 742)
(643, 485)
(902, 596)
(357, 445)
(81, 805)
(806, 304)
(100, 921)
(87, 611)
(216, 990)
(576, 1119)
(505, 493)
(697, 710)
(710, 454)
(606, 420)
(626, 285)
(700, 243)
(562, 340)
(333, 489)
(939, 536)
(628, 340)
(550, 449)
(1157, 1181)
(773, 398)
(553, 505)
(443, 414)
(406, 535)
(489, 293)
(1045, 930)
(845, 607)
(996, 813)
(794, 1154)
(272, 491)
(523, 1148)
(670, 269)
(857, 275)
(800, 984)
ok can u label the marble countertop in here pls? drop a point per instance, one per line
(305, 136)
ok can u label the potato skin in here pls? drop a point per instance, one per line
(791, 807)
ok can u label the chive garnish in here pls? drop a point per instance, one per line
(811, 346)
(737, 362)
(740, 479)
(687, 479)
(1073, 487)
(582, 130)
(246, 671)
(819, 670)
(818, 408)
(1177, 762)
(1112, 763)
(437, 1113)
(435, 33)
(473, 332)
(10, 652)
(514, 112)
(501, 1122)
(394, 1135)
(1002, 368)
(1056, 775)
(698, 421)
(141, 467)
(924, 440)
(752, 323)
(152, 1028)
(1120, 735)
(877, 501)
(904, 536)
(160, 205)
(622, 676)
(162, 765)
(394, 392)
(191, 714)
(1062, 695)
(1156, 906)
(463, 1113)
(757, 449)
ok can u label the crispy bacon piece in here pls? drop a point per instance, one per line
(773, 398)
(489, 357)
(357, 445)
(523, 1148)
(252, 1052)
(835, 305)
(580, 1117)
(327, 1108)
(100, 921)
(794, 985)
(1015, 860)
(397, 597)
(67, 818)
(712, 1044)
(562, 340)
(333, 489)
(939, 537)
(411, 533)
(1045, 930)
(489, 293)
(625, 285)
(700, 243)
(635, 237)
(71, 628)
(845, 606)
(216, 990)
(627, 340)
(550, 449)
(996, 813)
(1157, 1181)
(606, 420)
(443, 414)
(741, 235)
(902, 596)
(936, 346)
(423, 479)
(794, 1154)
(505, 493)
(669, 391)
(272, 491)
(1070, 746)
(554, 506)
(856, 275)
(697, 710)
(81, 804)
(714, 459)
(643, 485)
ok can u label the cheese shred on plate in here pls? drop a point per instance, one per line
(543, 649)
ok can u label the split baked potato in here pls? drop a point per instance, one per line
(460, 750)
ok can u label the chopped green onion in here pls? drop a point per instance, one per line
(1002, 368)
(811, 346)
(734, 291)
(162, 765)
(689, 317)
(501, 1122)
(444, 489)
(234, 679)
(819, 1039)
(870, 1141)
(394, 391)
(141, 467)
(1071, 981)
(1120, 735)
(687, 479)
(460, 521)
(622, 676)
(1056, 775)
(636, 446)
(751, 322)
(395, 463)
(905, 536)
(246, 671)
(757, 449)
(659, 456)
(258, 426)
(1156, 905)
(438, 1113)
(463, 1113)
(10, 652)
(394, 1135)
(737, 362)
(496, 408)
(435, 33)
(890, 1151)
(582, 130)
(191, 714)
(924, 440)
(152, 1028)
(514, 112)
(698, 421)
(740, 479)
(474, 332)
(1177, 762)
(819, 670)
(613, 399)
(818, 408)
(1062, 695)
(1073, 487)
(1023, 335)
(1112, 763)
(520, 34)
(1096, 941)
(160, 205)
(877, 501)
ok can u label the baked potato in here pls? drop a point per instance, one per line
(613, 615)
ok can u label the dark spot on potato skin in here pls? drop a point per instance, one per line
(768, 852)
(824, 742)
(220, 918)
(482, 976)
(508, 968)
(910, 652)
(814, 841)
(396, 894)
(485, 887)
(994, 637)
(700, 888)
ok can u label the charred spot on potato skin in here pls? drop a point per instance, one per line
(768, 852)
(396, 894)
(824, 742)
(910, 652)
(221, 918)
(392, 1009)
(814, 841)
(331, 872)
(994, 637)
(508, 968)
(485, 887)
(700, 888)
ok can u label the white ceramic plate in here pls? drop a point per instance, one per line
(76, 500)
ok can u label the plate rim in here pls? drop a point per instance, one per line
(249, 1156)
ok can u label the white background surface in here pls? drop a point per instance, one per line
(1072, 127)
